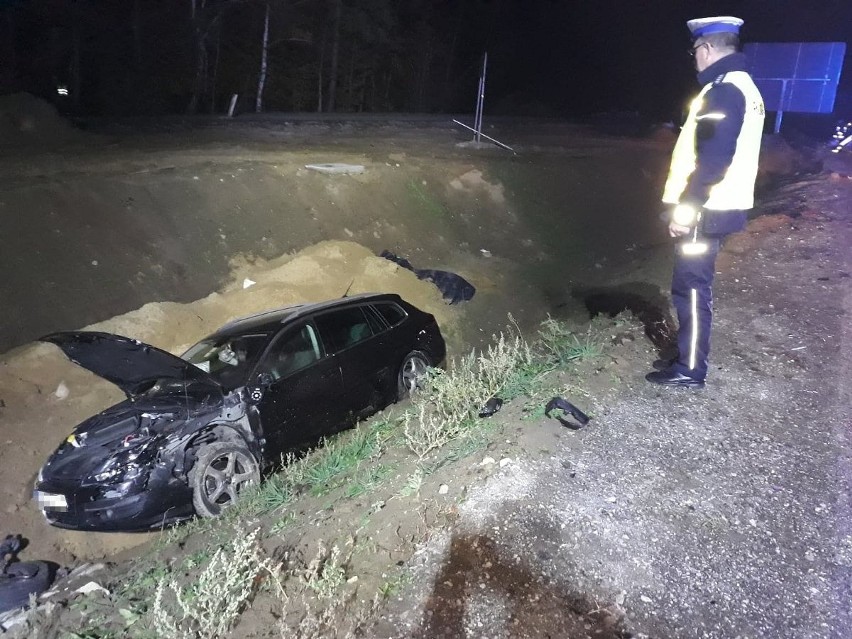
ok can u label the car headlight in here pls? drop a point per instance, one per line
(117, 469)
(107, 474)
(128, 462)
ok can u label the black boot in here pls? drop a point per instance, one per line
(671, 377)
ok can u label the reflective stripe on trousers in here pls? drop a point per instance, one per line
(692, 295)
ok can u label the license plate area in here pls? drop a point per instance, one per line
(50, 502)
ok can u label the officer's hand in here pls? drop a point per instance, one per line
(678, 230)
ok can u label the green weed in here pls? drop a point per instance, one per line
(368, 481)
(526, 379)
(563, 345)
(449, 403)
(283, 523)
(393, 585)
(275, 492)
(144, 582)
(325, 574)
(412, 484)
(195, 559)
(209, 605)
(473, 442)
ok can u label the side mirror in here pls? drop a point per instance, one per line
(256, 390)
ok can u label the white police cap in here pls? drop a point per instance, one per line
(718, 24)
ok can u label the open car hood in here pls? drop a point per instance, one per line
(128, 363)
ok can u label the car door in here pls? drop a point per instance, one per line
(360, 345)
(300, 383)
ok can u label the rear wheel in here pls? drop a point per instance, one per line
(221, 471)
(411, 373)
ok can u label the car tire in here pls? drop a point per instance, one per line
(20, 580)
(220, 472)
(411, 371)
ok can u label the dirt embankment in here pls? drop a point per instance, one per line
(125, 234)
(144, 232)
(110, 230)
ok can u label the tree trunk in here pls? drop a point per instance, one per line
(350, 80)
(8, 73)
(76, 56)
(424, 75)
(372, 100)
(137, 35)
(451, 56)
(215, 71)
(335, 50)
(200, 71)
(320, 73)
(202, 25)
(264, 53)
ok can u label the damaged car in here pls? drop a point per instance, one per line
(197, 429)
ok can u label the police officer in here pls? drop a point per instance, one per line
(710, 187)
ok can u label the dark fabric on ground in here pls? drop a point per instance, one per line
(454, 287)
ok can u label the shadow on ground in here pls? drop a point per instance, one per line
(477, 588)
(646, 301)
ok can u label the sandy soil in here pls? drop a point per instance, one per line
(611, 531)
(151, 236)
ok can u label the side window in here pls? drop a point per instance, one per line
(291, 352)
(344, 328)
(374, 320)
(228, 359)
(392, 313)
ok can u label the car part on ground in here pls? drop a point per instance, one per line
(195, 430)
(490, 407)
(20, 579)
(567, 408)
(453, 287)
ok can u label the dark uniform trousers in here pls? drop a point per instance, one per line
(692, 292)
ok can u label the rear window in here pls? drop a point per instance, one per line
(344, 328)
(392, 313)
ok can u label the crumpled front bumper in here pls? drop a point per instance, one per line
(152, 501)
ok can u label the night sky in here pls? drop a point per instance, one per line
(546, 57)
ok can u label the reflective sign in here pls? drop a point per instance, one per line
(796, 76)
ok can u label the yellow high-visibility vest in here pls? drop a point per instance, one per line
(736, 189)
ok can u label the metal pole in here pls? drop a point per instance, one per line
(476, 128)
(480, 100)
(780, 114)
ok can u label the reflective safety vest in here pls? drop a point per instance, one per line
(736, 189)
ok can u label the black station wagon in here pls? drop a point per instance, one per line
(194, 430)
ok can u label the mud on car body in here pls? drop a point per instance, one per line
(196, 429)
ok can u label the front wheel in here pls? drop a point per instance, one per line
(411, 373)
(221, 471)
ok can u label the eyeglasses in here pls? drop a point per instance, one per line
(692, 51)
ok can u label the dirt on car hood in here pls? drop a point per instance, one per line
(128, 363)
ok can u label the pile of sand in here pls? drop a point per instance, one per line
(43, 395)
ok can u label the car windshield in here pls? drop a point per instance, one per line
(228, 360)
(167, 385)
